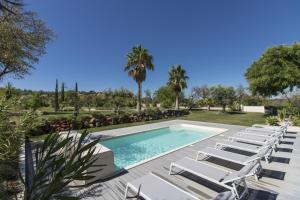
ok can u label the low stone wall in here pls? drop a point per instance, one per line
(59, 124)
(257, 109)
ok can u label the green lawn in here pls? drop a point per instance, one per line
(245, 119)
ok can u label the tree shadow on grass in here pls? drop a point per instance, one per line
(235, 113)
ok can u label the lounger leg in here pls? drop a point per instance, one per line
(266, 158)
(170, 170)
(197, 155)
(126, 191)
(245, 192)
(256, 177)
(235, 190)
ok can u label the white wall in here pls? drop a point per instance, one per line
(258, 109)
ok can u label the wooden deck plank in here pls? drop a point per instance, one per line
(280, 180)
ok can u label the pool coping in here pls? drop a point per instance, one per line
(153, 126)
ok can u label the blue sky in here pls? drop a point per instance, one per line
(216, 41)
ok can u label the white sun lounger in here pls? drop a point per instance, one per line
(278, 135)
(218, 176)
(233, 157)
(275, 128)
(252, 139)
(262, 130)
(247, 147)
(153, 187)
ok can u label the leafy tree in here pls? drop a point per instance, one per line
(138, 62)
(62, 95)
(207, 101)
(253, 100)
(23, 38)
(223, 95)
(240, 94)
(201, 92)
(189, 102)
(56, 103)
(148, 97)
(177, 81)
(36, 101)
(165, 96)
(276, 71)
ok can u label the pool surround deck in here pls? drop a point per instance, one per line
(279, 180)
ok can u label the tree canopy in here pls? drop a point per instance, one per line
(23, 38)
(223, 95)
(276, 71)
(165, 96)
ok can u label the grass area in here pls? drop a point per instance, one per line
(235, 118)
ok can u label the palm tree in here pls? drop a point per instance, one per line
(138, 61)
(177, 81)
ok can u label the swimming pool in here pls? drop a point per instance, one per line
(134, 148)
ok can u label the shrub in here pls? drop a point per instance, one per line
(272, 120)
(296, 121)
(282, 114)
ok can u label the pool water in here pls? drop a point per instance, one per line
(134, 148)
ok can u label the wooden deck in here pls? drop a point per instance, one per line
(280, 179)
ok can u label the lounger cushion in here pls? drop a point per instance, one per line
(252, 138)
(241, 146)
(226, 155)
(156, 188)
(201, 169)
(247, 170)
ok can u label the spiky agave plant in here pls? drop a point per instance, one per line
(60, 161)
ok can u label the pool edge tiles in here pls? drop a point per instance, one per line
(188, 131)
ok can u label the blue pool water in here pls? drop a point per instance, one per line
(134, 148)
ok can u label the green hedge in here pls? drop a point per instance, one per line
(57, 124)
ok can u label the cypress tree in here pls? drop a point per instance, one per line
(56, 104)
(62, 92)
(76, 109)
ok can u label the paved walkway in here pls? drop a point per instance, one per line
(280, 179)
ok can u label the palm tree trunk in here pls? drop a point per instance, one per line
(177, 102)
(138, 105)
